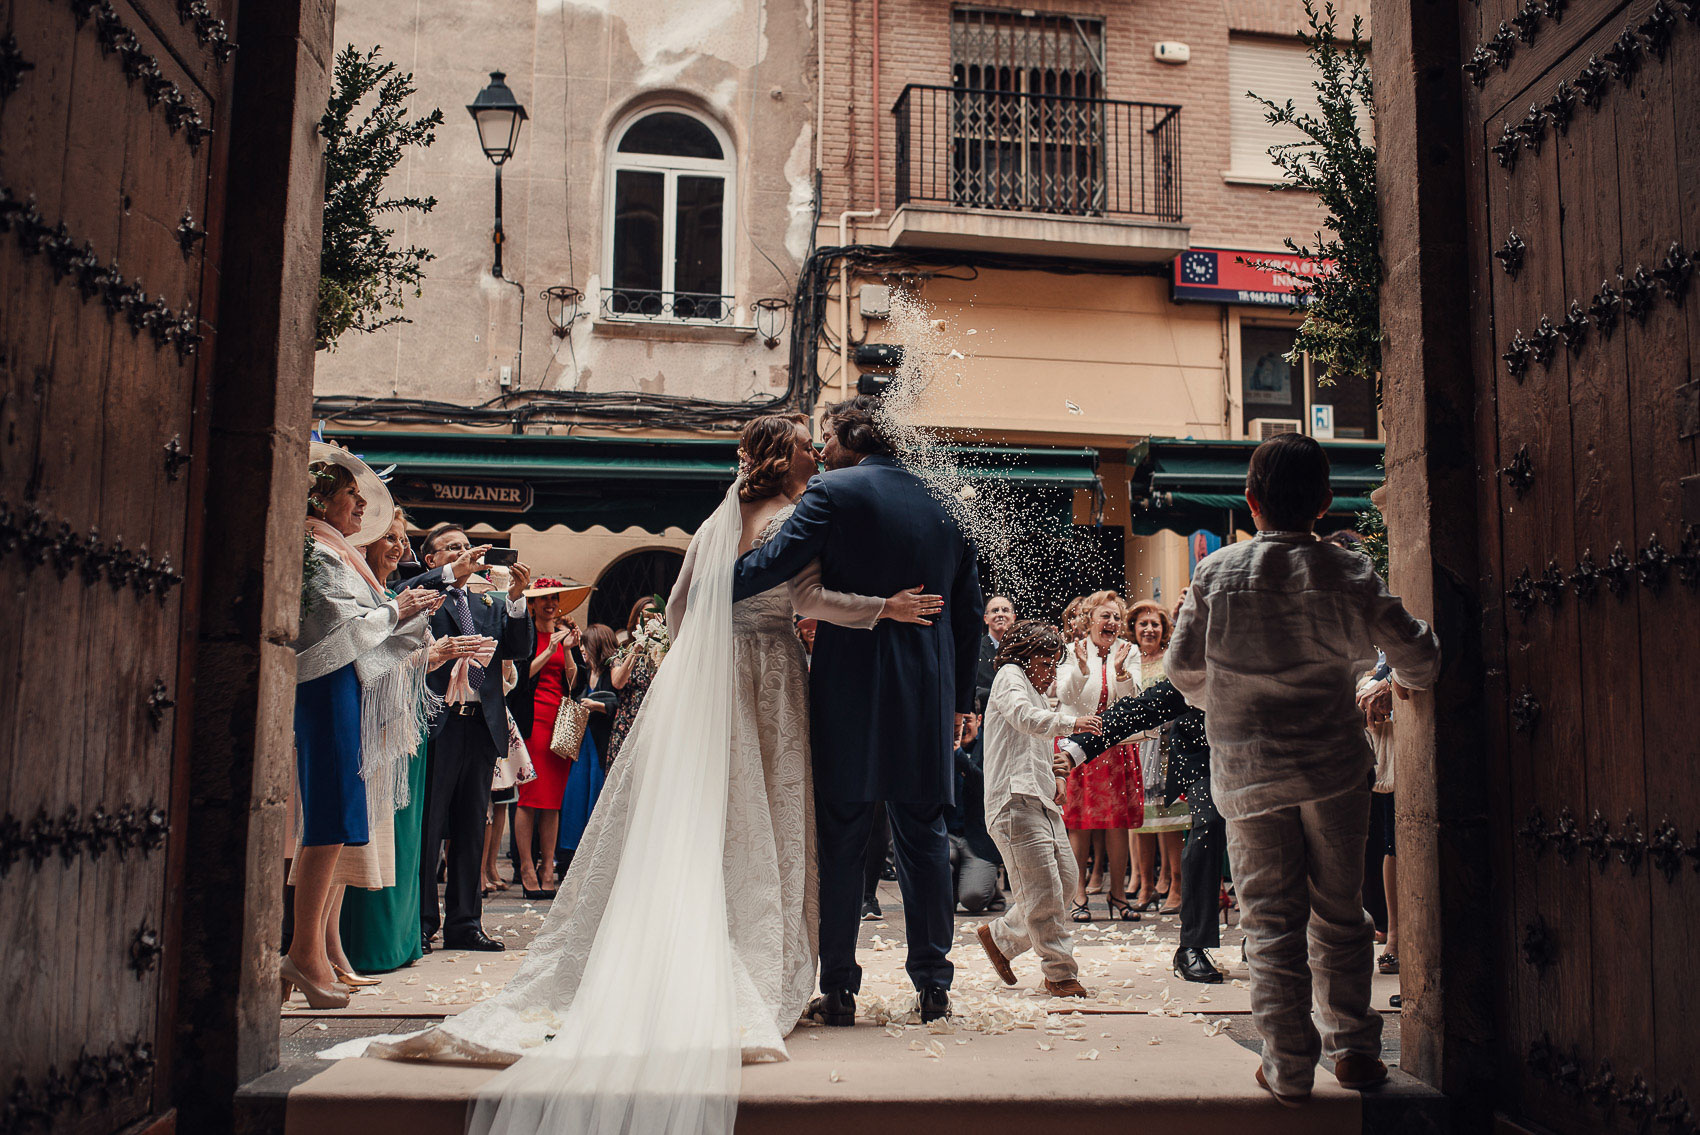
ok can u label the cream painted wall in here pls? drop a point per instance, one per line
(578, 67)
(1134, 363)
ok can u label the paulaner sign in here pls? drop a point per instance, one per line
(490, 494)
(1216, 275)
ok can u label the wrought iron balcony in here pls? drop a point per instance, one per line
(653, 305)
(1036, 153)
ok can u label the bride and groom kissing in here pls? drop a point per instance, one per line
(726, 852)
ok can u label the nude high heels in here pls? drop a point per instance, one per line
(316, 998)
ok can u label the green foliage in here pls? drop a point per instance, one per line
(1336, 160)
(1373, 528)
(362, 279)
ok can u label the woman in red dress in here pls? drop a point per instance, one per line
(1106, 794)
(537, 818)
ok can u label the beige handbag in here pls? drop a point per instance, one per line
(564, 742)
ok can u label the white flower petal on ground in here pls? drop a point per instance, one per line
(1091, 1055)
(836, 1078)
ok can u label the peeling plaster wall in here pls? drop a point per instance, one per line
(579, 66)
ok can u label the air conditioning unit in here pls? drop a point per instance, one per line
(1265, 428)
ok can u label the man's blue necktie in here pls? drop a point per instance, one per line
(462, 615)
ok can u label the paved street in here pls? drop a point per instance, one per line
(1126, 965)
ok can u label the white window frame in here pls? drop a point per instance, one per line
(671, 167)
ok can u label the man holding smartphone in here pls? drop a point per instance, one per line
(467, 739)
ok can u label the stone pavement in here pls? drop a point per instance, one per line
(1145, 1040)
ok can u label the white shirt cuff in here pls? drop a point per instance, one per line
(1076, 754)
(516, 608)
(448, 571)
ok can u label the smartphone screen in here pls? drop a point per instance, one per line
(501, 557)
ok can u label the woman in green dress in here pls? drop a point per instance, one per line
(380, 929)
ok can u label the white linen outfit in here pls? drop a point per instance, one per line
(1026, 823)
(1269, 644)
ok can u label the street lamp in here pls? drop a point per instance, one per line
(498, 116)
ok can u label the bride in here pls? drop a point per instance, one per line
(682, 941)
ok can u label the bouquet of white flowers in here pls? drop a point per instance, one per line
(651, 637)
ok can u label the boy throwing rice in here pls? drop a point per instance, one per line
(1022, 813)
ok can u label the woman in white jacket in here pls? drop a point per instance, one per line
(1108, 799)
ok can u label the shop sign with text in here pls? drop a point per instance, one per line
(491, 494)
(1226, 275)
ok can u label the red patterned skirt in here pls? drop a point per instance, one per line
(1106, 793)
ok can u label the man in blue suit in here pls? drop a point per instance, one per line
(887, 704)
(468, 738)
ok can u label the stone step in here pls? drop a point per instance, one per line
(1125, 1072)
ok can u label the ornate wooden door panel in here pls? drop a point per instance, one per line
(1586, 232)
(108, 169)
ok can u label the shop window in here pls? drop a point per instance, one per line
(1282, 396)
(668, 224)
(1271, 387)
(1350, 403)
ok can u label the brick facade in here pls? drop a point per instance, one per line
(914, 47)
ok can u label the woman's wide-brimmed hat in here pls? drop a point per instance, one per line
(380, 506)
(572, 593)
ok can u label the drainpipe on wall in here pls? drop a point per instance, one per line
(844, 297)
(820, 87)
(879, 173)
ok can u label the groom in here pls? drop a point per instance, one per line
(885, 704)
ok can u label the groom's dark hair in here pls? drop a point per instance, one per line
(856, 423)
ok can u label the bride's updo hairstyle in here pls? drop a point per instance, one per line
(765, 450)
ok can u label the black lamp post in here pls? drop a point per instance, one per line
(498, 115)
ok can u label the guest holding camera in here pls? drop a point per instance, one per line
(471, 734)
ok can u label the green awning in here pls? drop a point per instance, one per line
(1184, 485)
(649, 483)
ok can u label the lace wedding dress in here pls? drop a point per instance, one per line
(654, 972)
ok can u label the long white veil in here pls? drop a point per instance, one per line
(650, 1045)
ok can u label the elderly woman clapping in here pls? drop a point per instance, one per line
(360, 698)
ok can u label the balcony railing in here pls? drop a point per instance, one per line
(1032, 153)
(654, 306)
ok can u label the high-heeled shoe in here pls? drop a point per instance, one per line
(1120, 910)
(350, 978)
(316, 998)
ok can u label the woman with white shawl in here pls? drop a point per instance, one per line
(360, 698)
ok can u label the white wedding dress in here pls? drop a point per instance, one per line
(655, 974)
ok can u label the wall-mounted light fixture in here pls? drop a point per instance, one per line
(770, 319)
(561, 302)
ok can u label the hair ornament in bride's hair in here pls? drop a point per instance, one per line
(744, 464)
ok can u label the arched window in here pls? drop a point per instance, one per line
(669, 224)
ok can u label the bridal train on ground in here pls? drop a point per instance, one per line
(683, 939)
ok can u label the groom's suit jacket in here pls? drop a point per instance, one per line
(882, 701)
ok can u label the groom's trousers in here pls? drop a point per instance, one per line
(923, 876)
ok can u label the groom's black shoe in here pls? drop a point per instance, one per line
(472, 940)
(871, 911)
(1194, 965)
(935, 1002)
(837, 1009)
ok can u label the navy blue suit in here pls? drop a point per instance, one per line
(461, 759)
(883, 701)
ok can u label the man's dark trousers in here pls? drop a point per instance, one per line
(457, 798)
(1201, 869)
(923, 873)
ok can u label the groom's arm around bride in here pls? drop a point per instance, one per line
(885, 702)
